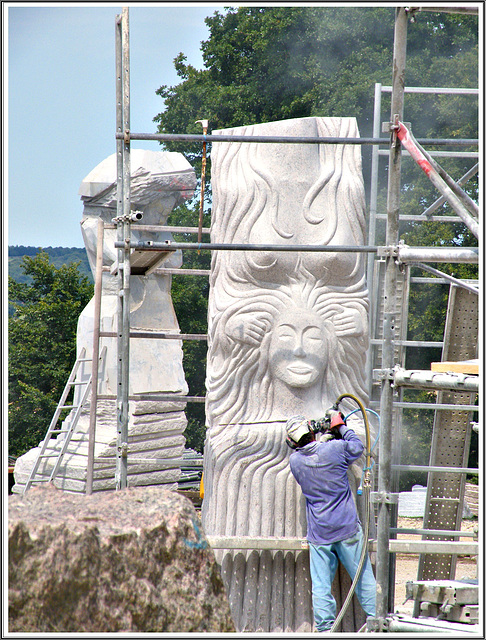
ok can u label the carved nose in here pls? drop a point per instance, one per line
(299, 351)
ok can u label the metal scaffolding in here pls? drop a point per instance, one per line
(394, 255)
(407, 257)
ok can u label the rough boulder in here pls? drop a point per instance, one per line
(134, 560)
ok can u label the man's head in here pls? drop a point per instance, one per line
(298, 432)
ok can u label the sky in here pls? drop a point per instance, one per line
(59, 110)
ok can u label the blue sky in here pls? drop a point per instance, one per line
(60, 87)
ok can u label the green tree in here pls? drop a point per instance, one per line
(272, 63)
(189, 296)
(41, 345)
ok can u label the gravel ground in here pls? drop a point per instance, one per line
(407, 564)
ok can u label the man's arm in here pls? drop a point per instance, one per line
(352, 444)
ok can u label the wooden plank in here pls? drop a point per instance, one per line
(463, 366)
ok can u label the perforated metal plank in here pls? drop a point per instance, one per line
(451, 436)
(401, 315)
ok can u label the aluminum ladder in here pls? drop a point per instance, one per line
(44, 453)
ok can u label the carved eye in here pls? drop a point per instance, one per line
(313, 334)
(285, 332)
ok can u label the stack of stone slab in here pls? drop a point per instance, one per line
(154, 431)
(472, 498)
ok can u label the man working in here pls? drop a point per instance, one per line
(333, 527)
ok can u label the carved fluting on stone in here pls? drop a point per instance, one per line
(159, 181)
(288, 334)
(249, 491)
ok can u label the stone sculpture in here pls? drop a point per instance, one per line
(159, 182)
(288, 334)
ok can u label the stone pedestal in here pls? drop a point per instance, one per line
(155, 430)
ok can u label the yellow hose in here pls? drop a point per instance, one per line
(367, 424)
(366, 492)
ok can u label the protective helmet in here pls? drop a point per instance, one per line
(297, 426)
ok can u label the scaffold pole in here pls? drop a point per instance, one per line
(384, 567)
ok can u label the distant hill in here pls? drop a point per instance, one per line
(57, 255)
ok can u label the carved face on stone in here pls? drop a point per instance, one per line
(298, 352)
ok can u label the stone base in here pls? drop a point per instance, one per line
(268, 591)
(155, 430)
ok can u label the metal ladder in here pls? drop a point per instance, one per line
(451, 437)
(69, 430)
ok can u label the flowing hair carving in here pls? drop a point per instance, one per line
(240, 386)
(244, 191)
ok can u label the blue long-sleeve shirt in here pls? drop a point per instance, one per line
(320, 468)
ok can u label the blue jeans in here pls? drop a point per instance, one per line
(323, 565)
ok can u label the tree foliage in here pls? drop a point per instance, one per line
(57, 256)
(272, 63)
(41, 344)
(189, 296)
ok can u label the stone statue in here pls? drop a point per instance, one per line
(288, 334)
(159, 182)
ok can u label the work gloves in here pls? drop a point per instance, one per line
(329, 425)
(335, 420)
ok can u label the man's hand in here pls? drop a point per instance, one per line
(249, 328)
(336, 420)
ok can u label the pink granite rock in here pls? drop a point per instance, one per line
(134, 560)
